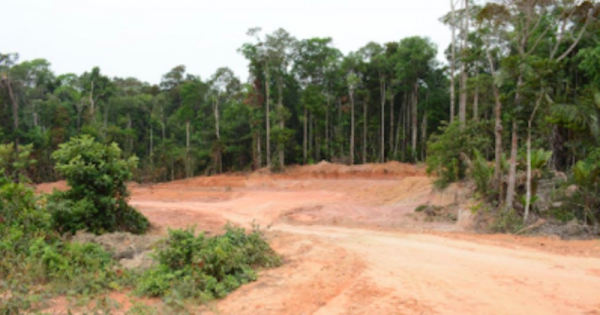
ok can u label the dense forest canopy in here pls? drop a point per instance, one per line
(525, 73)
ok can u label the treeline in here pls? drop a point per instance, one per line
(304, 102)
(526, 79)
(523, 72)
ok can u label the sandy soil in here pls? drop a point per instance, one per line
(352, 244)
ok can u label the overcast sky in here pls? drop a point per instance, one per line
(146, 38)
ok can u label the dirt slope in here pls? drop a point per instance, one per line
(352, 245)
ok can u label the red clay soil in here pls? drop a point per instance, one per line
(352, 244)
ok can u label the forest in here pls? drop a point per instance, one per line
(520, 88)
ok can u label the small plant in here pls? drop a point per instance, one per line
(198, 267)
(13, 164)
(481, 172)
(583, 199)
(506, 222)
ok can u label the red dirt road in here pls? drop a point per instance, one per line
(352, 245)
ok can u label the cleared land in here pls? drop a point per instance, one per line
(352, 244)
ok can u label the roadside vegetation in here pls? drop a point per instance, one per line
(39, 262)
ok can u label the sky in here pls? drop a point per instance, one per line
(147, 38)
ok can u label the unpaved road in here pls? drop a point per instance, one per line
(352, 245)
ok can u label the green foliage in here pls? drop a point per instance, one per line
(482, 172)
(72, 267)
(590, 63)
(581, 199)
(448, 150)
(506, 222)
(198, 267)
(36, 263)
(96, 201)
(19, 208)
(13, 164)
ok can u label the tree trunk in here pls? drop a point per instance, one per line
(351, 127)
(453, 63)
(92, 103)
(497, 128)
(267, 118)
(424, 130)
(305, 142)
(528, 193)
(258, 151)
(327, 154)
(187, 146)
(391, 137)
(364, 155)
(151, 141)
(311, 136)
(130, 138)
(405, 126)
(424, 136)
(34, 115)
(512, 174)
(280, 143)
(318, 141)
(415, 121)
(382, 146)
(529, 179)
(217, 119)
(105, 125)
(15, 108)
(476, 103)
(462, 106)
(79, 110)
(398, 129)
(340, 131)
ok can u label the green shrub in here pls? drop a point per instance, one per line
(19, 208)
(96, 201)
(198, 267)
(507, 222)
(583, 202)
(446, 150)
(13, 164)
(482, 173)
(73, 267)
(36, 263)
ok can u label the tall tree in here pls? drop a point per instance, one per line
(280, 46)
(7, 61)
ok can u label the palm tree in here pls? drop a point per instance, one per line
(585, 114)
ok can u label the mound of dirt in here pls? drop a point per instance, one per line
(325, 169)
(132, 251)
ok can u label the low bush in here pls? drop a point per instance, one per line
(37, 263)
(506, 222)
(199, 267)
(580, 197)
(448, 149)
(481, 172)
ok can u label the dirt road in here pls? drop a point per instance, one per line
(352, 244)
